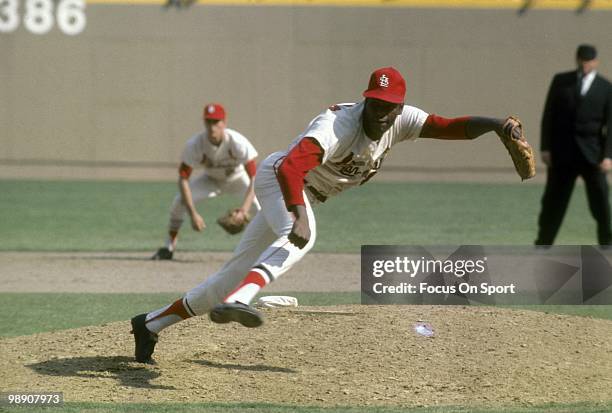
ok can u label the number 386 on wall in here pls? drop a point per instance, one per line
(38, 16)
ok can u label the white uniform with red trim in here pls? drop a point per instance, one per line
(224, 170)
(223, 162)
(350, 158)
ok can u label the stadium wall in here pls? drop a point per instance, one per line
(119, 99)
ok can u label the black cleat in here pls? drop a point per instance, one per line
(145, 340)
(162, 254)
(238, 312)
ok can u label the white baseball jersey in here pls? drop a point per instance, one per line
(350, 157)
(223, 162)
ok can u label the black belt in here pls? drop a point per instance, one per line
(319, 196)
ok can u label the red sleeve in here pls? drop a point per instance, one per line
(251, 168)
(306, 155)
(438, 127)
(185, 171)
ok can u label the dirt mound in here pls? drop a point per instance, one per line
(348, 355)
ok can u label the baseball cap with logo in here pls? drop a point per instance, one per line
(214, 111)
(386, 84)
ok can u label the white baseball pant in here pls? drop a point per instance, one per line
(264, 245)
(203, 187)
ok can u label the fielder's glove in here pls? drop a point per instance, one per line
(519, 149)
(234, 222)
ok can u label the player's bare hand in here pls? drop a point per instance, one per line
(239, 214)
(197, 222)
(606, 165)
(300, 233)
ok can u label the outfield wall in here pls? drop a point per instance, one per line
(120, 98)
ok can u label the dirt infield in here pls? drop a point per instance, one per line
(349, 355)
(342, 355)
(120, 272)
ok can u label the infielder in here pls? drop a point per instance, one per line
(229, 165)
(341, 148)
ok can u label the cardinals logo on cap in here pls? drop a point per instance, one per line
(386, 84)
(214, 111)
(383, 81)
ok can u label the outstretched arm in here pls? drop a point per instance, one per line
(466, 127)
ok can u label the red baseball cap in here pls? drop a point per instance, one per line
(214, 111)
(386, 84)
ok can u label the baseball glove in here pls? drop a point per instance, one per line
(519, 149)
(234, 222)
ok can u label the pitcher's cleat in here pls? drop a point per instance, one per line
(162, 254)
(238, 312)
(144, 339)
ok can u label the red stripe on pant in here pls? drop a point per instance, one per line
(253, 277)
(177, 308)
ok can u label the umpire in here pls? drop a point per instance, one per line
(577, 140)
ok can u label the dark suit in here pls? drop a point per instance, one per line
(577, 130)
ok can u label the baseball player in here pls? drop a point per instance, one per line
(229, 165)
(342, 147)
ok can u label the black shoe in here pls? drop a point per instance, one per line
(238, 312)
(162, 254)
(145, 340)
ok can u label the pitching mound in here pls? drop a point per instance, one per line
(350, 355)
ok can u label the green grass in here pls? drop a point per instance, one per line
(30, 313)
(275, 408)
(128, 216)
(594, 311)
